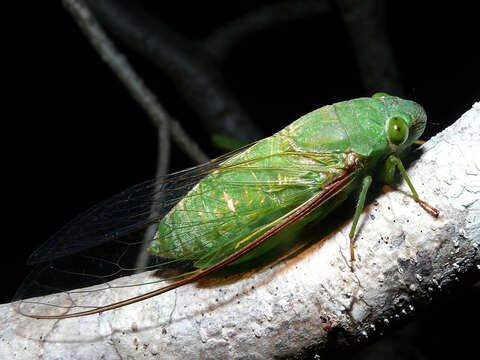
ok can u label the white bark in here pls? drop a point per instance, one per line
(404, 256)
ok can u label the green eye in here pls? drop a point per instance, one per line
(379, 95)
(397, 130)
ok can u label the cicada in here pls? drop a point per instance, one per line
(229, 210)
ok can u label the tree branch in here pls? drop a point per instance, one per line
(366, 25)
(140, 92)
(191, 68)
(405, 257)
(224, 38)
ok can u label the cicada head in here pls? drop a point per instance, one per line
(405, 123)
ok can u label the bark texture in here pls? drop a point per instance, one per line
(405, 257)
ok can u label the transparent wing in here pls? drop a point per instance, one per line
(103, 244)
(127, 212)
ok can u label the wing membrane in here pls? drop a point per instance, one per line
(102, 244)
(129, 211)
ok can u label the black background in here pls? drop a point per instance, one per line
(77, 137)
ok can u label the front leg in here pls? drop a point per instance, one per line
(392, 162)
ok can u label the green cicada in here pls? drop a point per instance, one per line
(231, 209)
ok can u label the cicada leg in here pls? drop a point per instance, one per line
(366, 182)
(392, 162)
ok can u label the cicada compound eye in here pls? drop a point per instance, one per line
(379, 95)
(397, 130)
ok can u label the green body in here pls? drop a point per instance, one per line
(259, 187)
